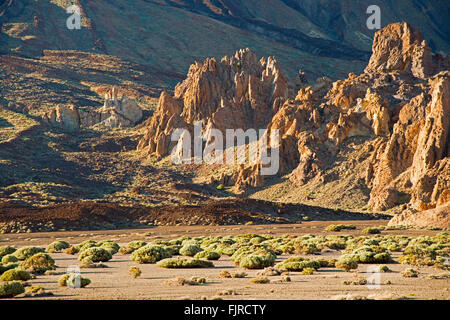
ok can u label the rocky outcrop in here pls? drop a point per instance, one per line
(399, 107)
(437, 217)
(419, 141)
(240, 92)
(399, 47)
(116, 112)
(396, 115)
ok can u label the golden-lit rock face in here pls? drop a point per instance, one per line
(398, 109)
(399, 47)
(236, 93)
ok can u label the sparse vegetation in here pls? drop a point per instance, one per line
(95, 254)
(250, 251)
(111, 246)
(38, 263)
(308, 271)
(254, 257)
(27, 252)
(208, 255)
(297, 264)
(339, 227)
(132, 246)
(190, 250)
(179, 262)
(359, 282)
(410, 273)
(371, 230)
(384, 269)
(135, 272)
(260, 280)
(57, 246)
(179, 281)
(9, 258)
(347, 263)
(150, 254)
(227, 274)
(11, 289)
(285, 278)
(72, 250)
(16, 275)
(5, 250)
(8, 267)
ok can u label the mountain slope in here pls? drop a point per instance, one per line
(170, 35)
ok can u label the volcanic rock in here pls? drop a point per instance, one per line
(116, 112)
(236, 93)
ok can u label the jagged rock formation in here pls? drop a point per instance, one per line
(116, 112)
(401, 48)
(404, 119)
(236, 93)
(397, 112)
(402, 114)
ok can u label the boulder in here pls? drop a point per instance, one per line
(116, 112)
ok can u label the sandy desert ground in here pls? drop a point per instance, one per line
(114, 282)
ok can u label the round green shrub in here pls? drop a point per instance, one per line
(257, 240)
(135, 272)
(347, 263)
(95, 254)
(150, 254)
(11, 289)
(308, 271)
(57, 246)
(9, 258)
(132, 246)
(384, 269)
(246, 257)
(39, 263)
(10, 266)
(208, 255)
(27, 252)
(371, 230)
(253, 261)
(292, 265)
(339, 227)
(179, 262)
(173, 250)
(260, 280)
(110, 245)
(16, 275)
(5, 250)
(86, 245)
(190, 250)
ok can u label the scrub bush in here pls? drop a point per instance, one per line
(11, 289)
(173, 263)
(150, 254)
(95, 254)
(57, 246)
(38, 263)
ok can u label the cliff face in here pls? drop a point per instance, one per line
(236, 93)
(396, 114)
